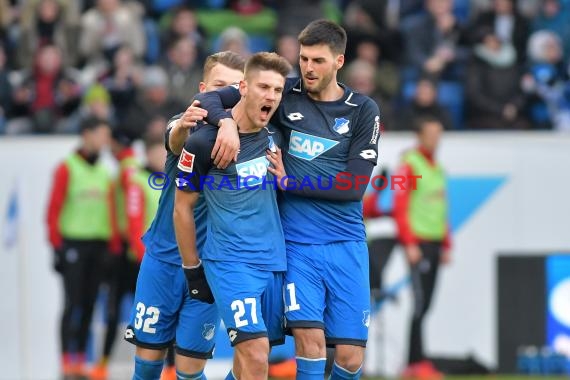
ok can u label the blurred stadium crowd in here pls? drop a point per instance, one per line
(473, 64)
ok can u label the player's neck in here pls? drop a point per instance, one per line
(331, 93)
(244, 123)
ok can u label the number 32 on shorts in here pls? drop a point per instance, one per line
(146, 318)
(290, 296)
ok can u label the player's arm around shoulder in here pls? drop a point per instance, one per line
(179, 126)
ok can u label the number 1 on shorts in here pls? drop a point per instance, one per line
(293, 305)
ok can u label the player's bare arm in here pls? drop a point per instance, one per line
(181, 127)
(184, 227)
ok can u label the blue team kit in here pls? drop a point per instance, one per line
(163, 311)
(244, 254)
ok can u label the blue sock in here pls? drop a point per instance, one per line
(147, 370)
(310, 369)
(339, 373)
(193, 376)
(230, 375)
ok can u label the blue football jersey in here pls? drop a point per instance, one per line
(244, 223)
(319, 139)
(160, 239)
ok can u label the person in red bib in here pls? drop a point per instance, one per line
(422, 219)
(80, 233)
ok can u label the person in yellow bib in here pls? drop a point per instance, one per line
(80, 233)
(421, 215)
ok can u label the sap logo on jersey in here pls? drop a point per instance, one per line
(252, 172)
(307, 146)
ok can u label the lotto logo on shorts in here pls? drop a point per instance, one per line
(232, 334)
(307, 146)
(129, 333)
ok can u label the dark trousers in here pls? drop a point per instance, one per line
(379, 251)
(122, 272)
(423, 276)
(81, 271)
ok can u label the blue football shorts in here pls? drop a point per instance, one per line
(327, 287)
(163, 312)
(249, 300)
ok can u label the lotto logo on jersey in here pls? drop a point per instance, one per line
(252, 172)
(307, 146)
(186, 161)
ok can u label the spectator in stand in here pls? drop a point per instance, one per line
(494, 96)
(424, 104)
(96, 102)
(108, 26)
(294, 15)
(288, 48)
(123, 80)
(432, 42)
(367, 20)
(49, 22)
(153, 101)
(236, 40)
(46, 96)
(422, 220)
(547, 82)
(183, 69)
(184, 25)
(554, 16)
(362, 76)
(507, 24)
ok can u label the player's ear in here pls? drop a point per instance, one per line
(242, 87)
(202, 87)
(339, 61)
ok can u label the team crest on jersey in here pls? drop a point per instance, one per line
(186, 161)
(307, 146)
(208, 331)
(252, 172)
(272, 147)
(341, 125)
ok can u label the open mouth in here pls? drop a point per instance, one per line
(265, 110)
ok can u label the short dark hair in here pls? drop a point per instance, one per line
(92, 123)
(324, 32)
(421, 121)
(227, 58)
(268, 61)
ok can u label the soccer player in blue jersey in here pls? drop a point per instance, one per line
(243, 260)
(163, 312)
(331, 147)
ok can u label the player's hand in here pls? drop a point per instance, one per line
(445, 257)
(192, 116)
(278, 169)
(226, 148)
(198, 285)
(413, 253)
